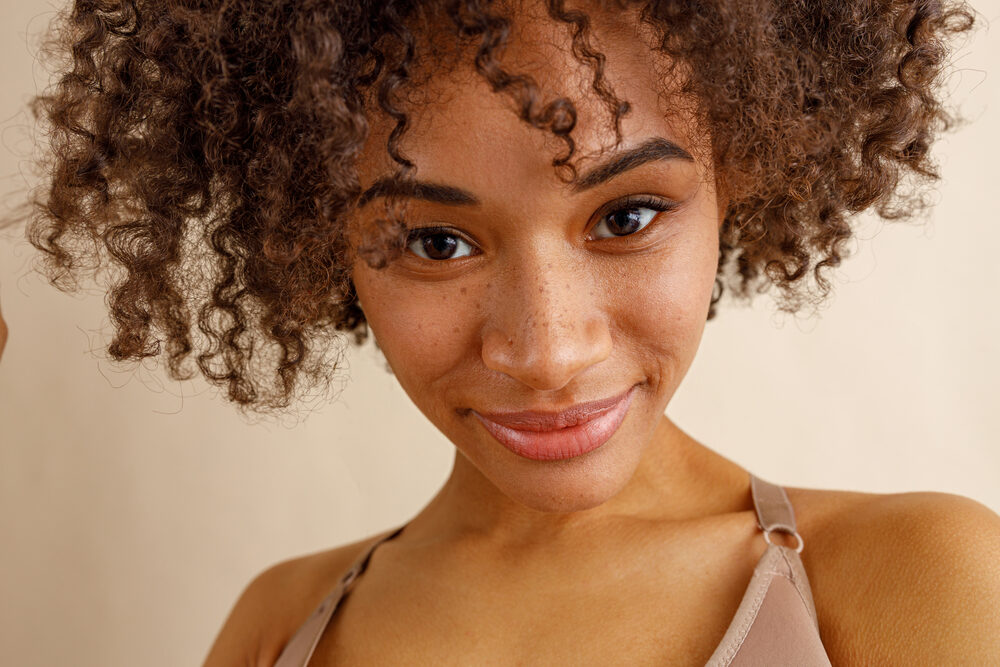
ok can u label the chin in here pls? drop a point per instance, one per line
(574, 485)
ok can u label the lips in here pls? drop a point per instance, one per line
(552, 436)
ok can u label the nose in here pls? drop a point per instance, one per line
(547, 323)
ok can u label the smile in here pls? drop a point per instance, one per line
(554, 436)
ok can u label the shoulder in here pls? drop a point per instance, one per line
(276, 602)
(910, 578)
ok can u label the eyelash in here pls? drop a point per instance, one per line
(426, 232)
(629, 203)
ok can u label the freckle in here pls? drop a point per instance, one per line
(455, 330)
(462, 290)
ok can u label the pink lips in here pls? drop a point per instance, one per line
(552, 436)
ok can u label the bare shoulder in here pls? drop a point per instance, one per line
(909, 578)
(275, 603)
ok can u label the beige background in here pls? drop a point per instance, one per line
(133, 511)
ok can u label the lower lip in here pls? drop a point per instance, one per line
(563, 443)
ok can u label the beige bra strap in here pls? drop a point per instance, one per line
(774, 510)
(361, 562)
(299, 649)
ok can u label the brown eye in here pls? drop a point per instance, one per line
(437, 244)
(623, 221)
(629, 215)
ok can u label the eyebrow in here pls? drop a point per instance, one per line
(435, 192)
(649, 151)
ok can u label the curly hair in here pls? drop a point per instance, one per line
(202, 153)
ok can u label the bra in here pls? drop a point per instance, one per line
(775, 624)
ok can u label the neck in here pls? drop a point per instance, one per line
(677, 480)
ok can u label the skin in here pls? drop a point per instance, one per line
(652, 536)
(541, 314)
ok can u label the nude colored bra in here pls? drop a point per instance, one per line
(775, 624)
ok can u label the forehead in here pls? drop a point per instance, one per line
(457, 125)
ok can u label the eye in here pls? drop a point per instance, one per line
(436, 243)
(628, 216)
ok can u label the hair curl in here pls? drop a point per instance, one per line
(203, 152)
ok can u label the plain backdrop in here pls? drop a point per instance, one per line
(133, 510)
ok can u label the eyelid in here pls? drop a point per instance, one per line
(652, 202)
(415, 233)
(635, 201)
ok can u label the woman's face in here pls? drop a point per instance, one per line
(525, 293)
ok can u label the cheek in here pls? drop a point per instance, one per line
(664, 314)
(656, 305)
(423, 330)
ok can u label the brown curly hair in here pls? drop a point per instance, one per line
(202, 153)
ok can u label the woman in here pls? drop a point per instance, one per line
(534, 207)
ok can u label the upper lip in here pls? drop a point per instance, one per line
(536, 420)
